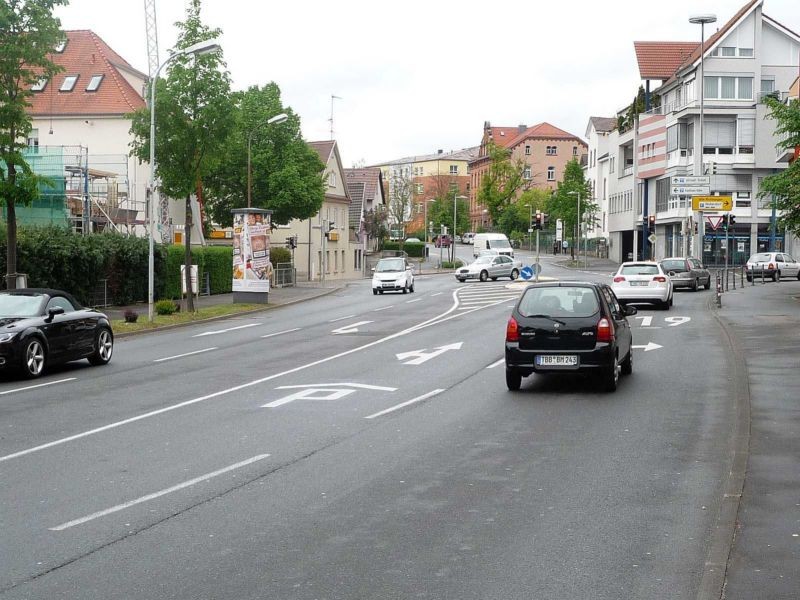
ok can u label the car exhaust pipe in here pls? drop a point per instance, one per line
(2, 361)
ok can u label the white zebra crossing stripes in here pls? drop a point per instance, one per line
(485, 294)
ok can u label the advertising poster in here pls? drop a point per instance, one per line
(251, 267)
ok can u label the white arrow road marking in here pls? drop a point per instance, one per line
(352, 328)
(226, 330)
(649, 346)
(155, 495)
(406, 403)
(363, 386)
(158, 360)
(422, 356)
(38, 385)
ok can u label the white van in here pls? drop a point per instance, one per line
(491, 241)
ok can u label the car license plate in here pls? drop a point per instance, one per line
(556, 360)
(639, 283)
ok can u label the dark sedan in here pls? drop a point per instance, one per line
(569, 327)
(41, 327)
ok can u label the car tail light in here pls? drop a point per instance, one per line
(771, 266)
(660, 279)
(618, 278)
(512, 330)
(605, 332)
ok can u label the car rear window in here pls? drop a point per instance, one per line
(674, 265)
(559, 302)
(763, 257)
(639, 270)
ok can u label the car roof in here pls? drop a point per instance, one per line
(551, 284)
(50, 292)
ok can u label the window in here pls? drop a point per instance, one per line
(453, 169)
(728, 88)
(69, 83)
(720, 137)
(551, 173)
(418, 187)
(527, 173)
(39, 85)
(747, 135)
(94, 83)
(728, 51)
(574, 151)
(527, 150)
(745, 88)
(551, 151)
(767, 86)
(61, 46)
(33, 139)
(746, 52)
(60, 301)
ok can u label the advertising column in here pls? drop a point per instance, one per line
(252, 270)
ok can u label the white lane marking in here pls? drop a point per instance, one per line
(341, 318)
(363, 386)
(646, 320)
(153, 496)
(227, 330)
(281, 332)
(420, 356)
(352, 328)
(649, 346)
(38, 385)
(406, 403)
(412, 301)
(449, 314)
(383, 308)
(674, 321)
(437, 294)
(496, 364)
(158, 360)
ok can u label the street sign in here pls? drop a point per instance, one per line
(683, 180)
(559, 230)
(652, 238)
(701, 203)
(714, 222)
(691, 190)
(526, 273)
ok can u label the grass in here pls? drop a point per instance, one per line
(221, 310)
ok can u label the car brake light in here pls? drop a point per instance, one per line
(659, 278)
(605, 333)
(512, 330)
(618, 278)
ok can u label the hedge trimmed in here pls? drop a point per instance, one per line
(415, 249)
(217, 261)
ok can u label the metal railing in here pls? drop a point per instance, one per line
(285, 275)
(730, 278)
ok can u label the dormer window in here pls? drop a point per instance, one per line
(61, 46)
(39, 85)
(94, 83)
(69, 83)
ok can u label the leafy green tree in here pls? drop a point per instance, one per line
(286, 171)
(193, 118)
(440, 212)
(28, 34)
(503, 182)
(563, 204)
(784, 187)
(375, 225)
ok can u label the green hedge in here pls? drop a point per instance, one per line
(217, 261)
(415, 249)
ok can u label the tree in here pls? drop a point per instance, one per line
(401, 197)
(503, 182)
(440, 212)
(193, 118)
(375, 224)
(286, 171)
(28, 34)
(784, 187)
(563, 204)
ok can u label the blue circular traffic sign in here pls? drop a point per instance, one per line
(526, 273)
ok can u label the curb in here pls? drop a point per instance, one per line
(128, 334)
(723, 535)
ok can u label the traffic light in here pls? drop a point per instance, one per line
(731, 219)
(651, 222)
(695, 229)
(291, 242)
(537, 224)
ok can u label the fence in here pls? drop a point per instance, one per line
(730, 278)
(285, 275)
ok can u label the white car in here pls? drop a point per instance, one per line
(392, 275)
(490, 266)
(772, 265)
(643, 281)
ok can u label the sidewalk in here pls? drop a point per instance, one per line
(764, 321)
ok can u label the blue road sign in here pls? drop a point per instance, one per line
(526, 273)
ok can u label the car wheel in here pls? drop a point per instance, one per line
(484, 275)
(461, 279)
(798, 275)
(494, 278)
(708, 282)
(374, 292)
(411, 289)
(405, 289)
(103, 349)
(627, 364)
(515, 274)
(513, 379)
(380, 292)
(671, 299)
(611, 378)
(776, 277)
(695, 285)
(33, 358)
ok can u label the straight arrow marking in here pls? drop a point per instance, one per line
(352, 328)
(649, 346)
(422, 356)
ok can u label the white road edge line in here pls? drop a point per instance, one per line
(406, 403)
(269, 335)
(383, 308)
(437, 294)
(496, 364)
(174, 488)
(158, 360)
(341, 318)
(38, 385)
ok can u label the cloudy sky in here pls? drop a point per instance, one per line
(417, 76)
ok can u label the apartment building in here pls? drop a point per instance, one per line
(544, 148)
(750, 56)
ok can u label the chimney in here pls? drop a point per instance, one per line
(522, 128)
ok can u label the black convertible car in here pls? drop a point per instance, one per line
(40, 327)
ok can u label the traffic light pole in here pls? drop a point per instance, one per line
(727, 228)
(537, 256)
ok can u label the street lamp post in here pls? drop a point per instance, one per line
(271, 121)
(197, 49)
(702, 20)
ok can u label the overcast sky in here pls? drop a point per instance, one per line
(417, 76)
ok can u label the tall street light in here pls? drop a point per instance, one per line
(271, 121)
(198, 49)
(702, 20)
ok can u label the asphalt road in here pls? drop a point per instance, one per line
(361, 446)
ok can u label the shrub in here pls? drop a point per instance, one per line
(165, 307)
(279, 255)
(446, 264)
(131, 316)
(416, 249)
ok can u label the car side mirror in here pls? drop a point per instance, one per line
(52, 312)
(629, 311)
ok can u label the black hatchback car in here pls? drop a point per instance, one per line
(40, 327)
(559, 327)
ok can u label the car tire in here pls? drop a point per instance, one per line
(405, 288)
(411, 289)
(611, 378)
(695, 285)
(103, 347)
(374, 292)
(33, 358)
(708, 282)
(776, 277)
(484, 276)
(672, 299)
(494, 278)
(627, 365)
(461, 279)
(380, 292)
(798, 275)
(515, 274)
(513, 379)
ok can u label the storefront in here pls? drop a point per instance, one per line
(739, 241)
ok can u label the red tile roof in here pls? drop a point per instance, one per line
(508, 137)
(324, 150)
(660, 60)
(86, 55)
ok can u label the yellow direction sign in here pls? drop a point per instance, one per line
(701, 203)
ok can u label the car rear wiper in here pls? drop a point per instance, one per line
(546, 317)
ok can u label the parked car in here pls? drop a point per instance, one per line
(442, 241)
(41, 327)
(393, 275)
(490, 266)
(773, 265)
(467, 237)
(413, 240)
(686, 272)
(457, 239)
(643, 282)
(559, 327)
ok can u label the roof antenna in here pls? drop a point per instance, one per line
(331, 119)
